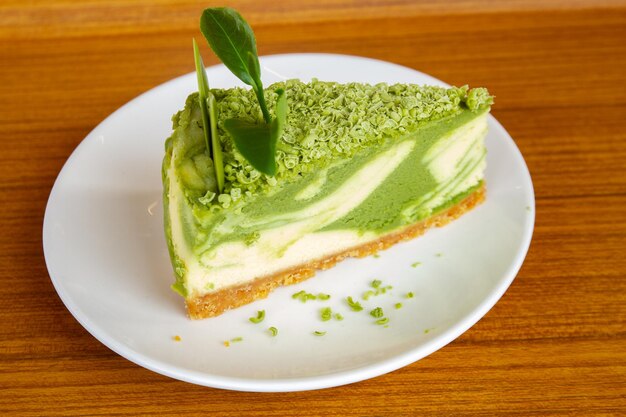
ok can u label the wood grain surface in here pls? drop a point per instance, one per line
(556, 342)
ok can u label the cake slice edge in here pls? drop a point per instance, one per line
(217, 302)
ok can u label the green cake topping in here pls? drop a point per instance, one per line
(326, 121)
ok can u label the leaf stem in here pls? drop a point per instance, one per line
(259, 94)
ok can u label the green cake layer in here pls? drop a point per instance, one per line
(355, 162)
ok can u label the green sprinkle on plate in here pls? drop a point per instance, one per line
(326, 313)
(260, 316)
(354, 305)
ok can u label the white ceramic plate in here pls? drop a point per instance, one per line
(107, 258)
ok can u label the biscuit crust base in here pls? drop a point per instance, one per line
(215, 303)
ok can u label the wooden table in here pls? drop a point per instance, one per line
(556, 342)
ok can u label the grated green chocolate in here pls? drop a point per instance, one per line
(326, 121)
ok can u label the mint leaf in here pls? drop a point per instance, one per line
(232, 40)
(256, 141)
(280, 112)
(209, 118)
(218, 160)
(203, 91)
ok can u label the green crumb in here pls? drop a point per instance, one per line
(439, 255)
(377, 313)
(209, 286)
(207, 198)
(427, 331)
(273, 331)
(338, 317)
(409, 295)
(251, 238)
(398, 306)
(527, 208)
(378, 289)
(326, 314)
(358, 115)
(415, 264)
(382, 321)
(376, 255)
(298, 295)
(366, 295)
(354, 305)
(233, 340)
(260, 316)
(322, 296)
(304, 296)
(318, 333)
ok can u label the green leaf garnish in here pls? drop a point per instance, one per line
(232, 40)
(376, 283)
(382, 321)
(254, 142)
(322, 296)
(203, 92)
(318, 333)
(216, 148)
(354, 305)
(338, 317)
(273, 330)
(398, 305)
(209, 118)
(409, 295)
(259, 317)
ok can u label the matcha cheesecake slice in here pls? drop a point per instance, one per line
(359, 168)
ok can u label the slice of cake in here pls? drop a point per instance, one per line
(359, 168)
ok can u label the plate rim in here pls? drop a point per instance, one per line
(333, 379)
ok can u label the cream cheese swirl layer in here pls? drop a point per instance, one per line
(456, 163)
